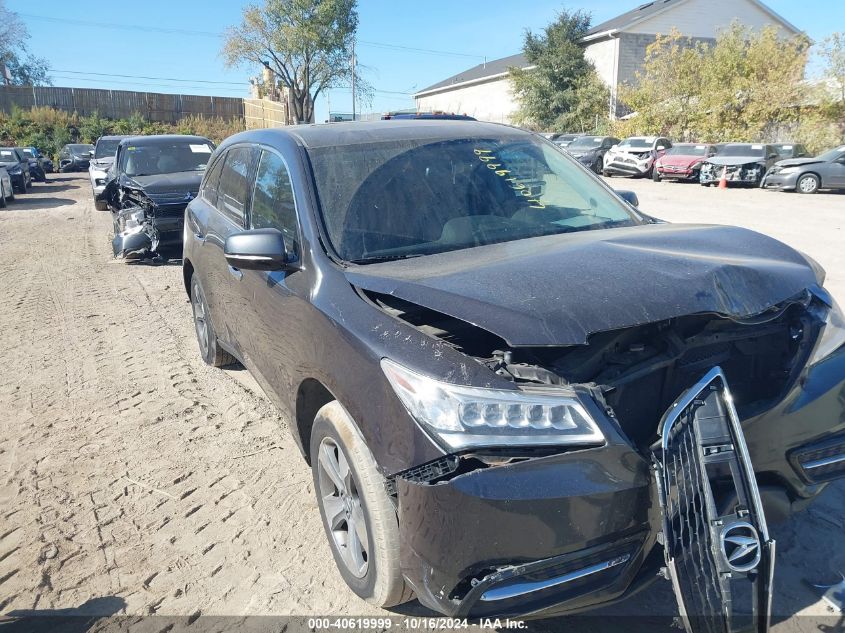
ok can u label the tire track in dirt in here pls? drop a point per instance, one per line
(120, 464)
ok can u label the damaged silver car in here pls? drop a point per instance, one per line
(152, 180)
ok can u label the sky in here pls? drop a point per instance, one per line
(174, 44)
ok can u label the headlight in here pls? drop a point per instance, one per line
(832, 336)
(471, 416)
(134, 219)
(15, 171)
(785, 171)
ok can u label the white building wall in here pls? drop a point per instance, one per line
(490, 101)
(603, 55)
(705, 18)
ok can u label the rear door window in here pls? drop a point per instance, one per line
(233, 189)
(272, 200)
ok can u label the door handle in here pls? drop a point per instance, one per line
(237, 274)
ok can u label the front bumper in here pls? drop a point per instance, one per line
(626, 166)
(784, 182)
(18, 180)
(740, 174)
(571, 531)
(678, 173)
(98, 182)
(554, 533)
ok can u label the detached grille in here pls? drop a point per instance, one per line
(689, 542)
(716, 543)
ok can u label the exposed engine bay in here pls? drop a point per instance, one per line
(637, 372)
(145, 220)
(750, 173)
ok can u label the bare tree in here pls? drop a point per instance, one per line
(307, 43)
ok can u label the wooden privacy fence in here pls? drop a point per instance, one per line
(120, 104)
(261, 113)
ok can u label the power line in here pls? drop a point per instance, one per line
(170, 31)
(195, 81)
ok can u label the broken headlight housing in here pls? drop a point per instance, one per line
(472, 416)
(832, 336)
(134, 220)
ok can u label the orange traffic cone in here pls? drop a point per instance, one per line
(723, 181)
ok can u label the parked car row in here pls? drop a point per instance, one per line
(777, 166)
(19, 168)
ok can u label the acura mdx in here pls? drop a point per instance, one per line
(518, 394)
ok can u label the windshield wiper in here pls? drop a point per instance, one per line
(384, 258)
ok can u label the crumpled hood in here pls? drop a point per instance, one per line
(681, 160)
(6, 163)
(796, 162)
(557, 290)
(102, 163)
(731, 161)
(182, 181)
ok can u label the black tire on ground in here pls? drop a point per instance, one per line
(606, 173)
(655, 175)
(210, 349)
(2, 197)
(351, 495)
(808, 183)
(597, 166)
(101, 205)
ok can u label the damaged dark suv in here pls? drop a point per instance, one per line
(148, 186)
(517, 393)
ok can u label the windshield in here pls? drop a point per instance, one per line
(165, 158)
(106, 147)
(832, 154)
(638, 144)
(407, 198)
(80, 150)
(7, 154)
(742, 150)
(687, 150)
(587, 142)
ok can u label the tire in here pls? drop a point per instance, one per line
(210, 349)
(597, 166)
(606, 173)
(808, 184)
(345, 472)
(655, 175)
(3, 203)
(101, 205)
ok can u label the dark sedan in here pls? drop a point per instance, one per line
(738, 163)
(39, 165)
(13, 159)
(517, 394)
(75, 157)
(809, 175)
(152, 180)
(590, 150)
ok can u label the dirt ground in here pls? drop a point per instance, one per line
(136, 480)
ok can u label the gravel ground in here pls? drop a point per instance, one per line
(136, 480)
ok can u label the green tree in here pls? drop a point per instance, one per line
(745, 87)
(25, 69)
(307, 43)
(559, 90)
(832, 52)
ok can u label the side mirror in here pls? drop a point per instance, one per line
(91, 153)
(661, 148)
(258, 249)
(630, 197)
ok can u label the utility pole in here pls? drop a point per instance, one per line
(354, 117)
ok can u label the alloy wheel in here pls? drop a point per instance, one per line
(338, 494)
(808, 184)
(200, 322)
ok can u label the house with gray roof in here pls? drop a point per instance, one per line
(616, 47)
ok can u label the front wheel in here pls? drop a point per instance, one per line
(358, 517)
(101, 205)
(808, 183)
(655, 175)
(2, 197)
(210, 349)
